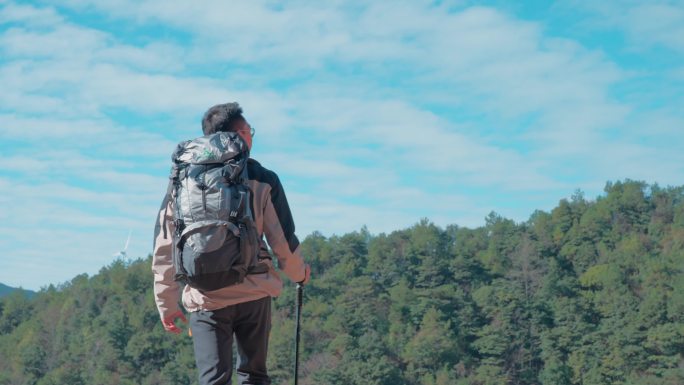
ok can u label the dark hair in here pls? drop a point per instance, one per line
(221, 117)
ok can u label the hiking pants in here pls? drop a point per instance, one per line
(212, 336)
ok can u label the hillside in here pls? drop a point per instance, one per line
(590, 293)
(6, 290)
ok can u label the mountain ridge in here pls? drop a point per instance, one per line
(6, 290)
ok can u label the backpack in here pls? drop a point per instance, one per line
(216, 242)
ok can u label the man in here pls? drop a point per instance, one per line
(242, 310)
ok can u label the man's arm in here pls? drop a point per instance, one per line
(279, 229)
(166, 289)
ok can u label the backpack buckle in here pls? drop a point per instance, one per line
(180, 225)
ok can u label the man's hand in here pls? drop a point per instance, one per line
(170, 322)
(307, 274)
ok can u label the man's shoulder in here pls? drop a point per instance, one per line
(261, 174)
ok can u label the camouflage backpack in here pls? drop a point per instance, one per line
(216, 241)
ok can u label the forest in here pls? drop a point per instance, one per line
(589, 293)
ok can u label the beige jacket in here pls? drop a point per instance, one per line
(273, 220)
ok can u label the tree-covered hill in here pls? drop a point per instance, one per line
(6, 290)
(589, 293)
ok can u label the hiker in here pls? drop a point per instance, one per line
(242, 309)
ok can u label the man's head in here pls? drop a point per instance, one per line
(227, 117)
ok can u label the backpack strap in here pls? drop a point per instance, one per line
(237, 203)
(169, 195)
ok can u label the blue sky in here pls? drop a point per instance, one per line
(372, 113)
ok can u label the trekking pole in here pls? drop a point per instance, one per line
(300, 289)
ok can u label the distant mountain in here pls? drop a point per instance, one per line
(6, 290)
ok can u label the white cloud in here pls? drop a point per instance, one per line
(656, 24)
(66, 230)
(647, 24)
(372, 114)
(402, 208)
(64, 41)
(56, 254)
(152, 57)
(42, 130)
(27, 14)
